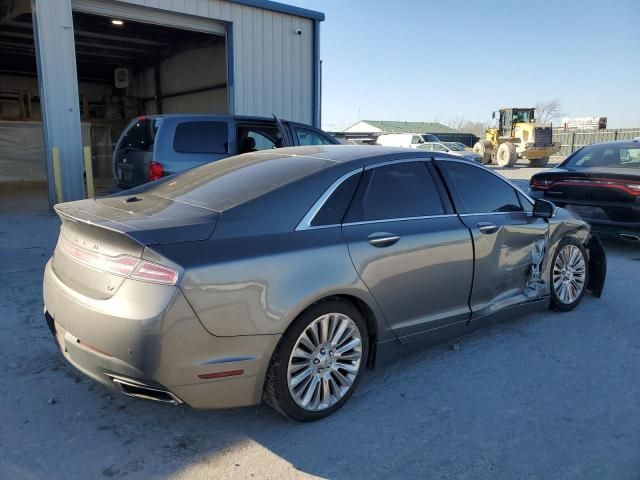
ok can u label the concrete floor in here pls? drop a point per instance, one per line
(544, 396)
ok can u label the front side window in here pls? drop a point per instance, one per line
(309, 137)
(416, 139)
(252, 138)
(400, 190)
(201, 137)
(479, 191)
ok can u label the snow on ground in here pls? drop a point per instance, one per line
(544, 396)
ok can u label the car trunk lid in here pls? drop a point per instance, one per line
(589, 185)
(102, 240)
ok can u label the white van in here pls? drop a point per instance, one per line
(406, 140)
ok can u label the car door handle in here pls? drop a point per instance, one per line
(382, 239)
(488, 227)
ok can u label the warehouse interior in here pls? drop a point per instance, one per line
(125, 68)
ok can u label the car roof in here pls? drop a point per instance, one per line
(216, 116)
(635, 142)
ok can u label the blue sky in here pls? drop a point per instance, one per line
(425, 60)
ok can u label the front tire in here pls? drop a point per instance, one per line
(569, 275)
(483, 148)
(318, 362)
(506, 156)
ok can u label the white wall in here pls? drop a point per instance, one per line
(273, 65)
(188, 70)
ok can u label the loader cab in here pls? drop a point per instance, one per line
(508, 117)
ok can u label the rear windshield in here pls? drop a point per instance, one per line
(229, 182)
(141, 135)
(201, 137)
(606, 156)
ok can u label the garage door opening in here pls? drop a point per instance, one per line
(126, 68)
(136, 68)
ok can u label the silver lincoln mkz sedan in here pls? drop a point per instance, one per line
(282, 275)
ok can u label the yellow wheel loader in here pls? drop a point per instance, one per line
(517, 136)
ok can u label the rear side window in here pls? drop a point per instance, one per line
(336, 205)
(478, 191)
(201, 137)
(400, 190)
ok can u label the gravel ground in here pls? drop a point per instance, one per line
(544, 396)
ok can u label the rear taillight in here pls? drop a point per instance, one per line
(540, 184)
(152, 272)
(121, 265)
(156, 171)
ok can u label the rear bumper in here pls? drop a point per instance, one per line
(598, 215)
(158, 350)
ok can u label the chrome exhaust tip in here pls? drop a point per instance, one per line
(136, 389)
(629, 237)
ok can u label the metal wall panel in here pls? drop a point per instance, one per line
(273, 65)
(58, 80)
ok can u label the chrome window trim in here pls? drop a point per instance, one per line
(305, 223)
(393, 162)
(400, 219)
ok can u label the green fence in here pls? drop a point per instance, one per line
(572, 140)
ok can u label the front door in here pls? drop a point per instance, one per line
(415, 257)
(509, 241)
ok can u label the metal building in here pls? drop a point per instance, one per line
(83, 68)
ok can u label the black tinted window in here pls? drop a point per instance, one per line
(201, 137)
(334, 208)
(478, 191)
(399, 190)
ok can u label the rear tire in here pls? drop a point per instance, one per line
(506, 156)
(569, 275)
(483, 148)
(539, 162)
(311, 375)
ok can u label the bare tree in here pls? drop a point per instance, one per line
(547, 112)
(456, 122)
(477, 128)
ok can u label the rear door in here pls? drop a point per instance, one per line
(509, 242)
(412, 252)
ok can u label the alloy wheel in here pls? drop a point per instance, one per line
(325, 362)
(569, 273)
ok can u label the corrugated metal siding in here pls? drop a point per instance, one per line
(273, 65)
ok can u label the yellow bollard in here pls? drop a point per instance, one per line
(57, 175)
(88, 171)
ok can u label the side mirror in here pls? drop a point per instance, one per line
(493, 115)
(543, 209)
